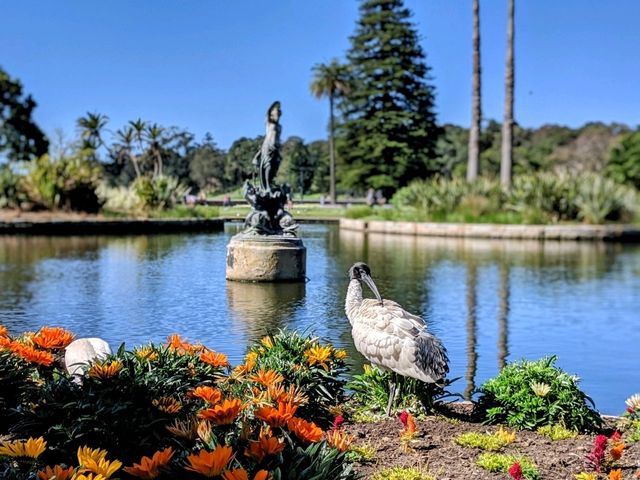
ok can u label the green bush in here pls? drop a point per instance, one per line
(534, 198)
(532, 394)
(159, 192)
(10, 192)
(371, 391)
(624, 161)
(501, 462)
(68, 183)
(318, 370)
(358, 212)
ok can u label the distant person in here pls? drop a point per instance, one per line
(371, 199)
(226, 201)
(322, 200)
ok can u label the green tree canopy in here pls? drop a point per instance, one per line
(388, 127)
(624, 162)
(20, 137)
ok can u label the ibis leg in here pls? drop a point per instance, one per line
(392, 395)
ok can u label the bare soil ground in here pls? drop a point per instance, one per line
(435, 451)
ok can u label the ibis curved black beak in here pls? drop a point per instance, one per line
(369, 281)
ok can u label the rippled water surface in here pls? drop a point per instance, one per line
(491, 301)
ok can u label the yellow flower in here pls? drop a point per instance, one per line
(210, 464)
(505, 435)
(95, 461)
(250, 360)
(150, 468)
(267, 341)
(339, 439)
(586, 476)
(318, 356)
(105, 370)
(146, 353)
(167, 404)
(340, 354)
(540, 389)
(88, 476)
(56, 472)
(32, 448)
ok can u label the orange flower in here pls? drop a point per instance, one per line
(5, 342)
(223, 414)
(206, 393)
(149, 468)
(57, 471)
(339, 439)
(318, 356)
(267, 377)
(616, 451)
(305, 431)
(261, 475)
(215, 359)
(615, 474)
(276, 417)
(167, 404)
(53, 338)
(32, 355)
(410, 427)
(105, 370)
(177, 344)
(3, 331)
(265, 445)
(210, 464)
(235, 474)
(184, 428)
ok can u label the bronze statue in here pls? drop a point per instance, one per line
(267, 159)
(268, 215)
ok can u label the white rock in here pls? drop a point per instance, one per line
(80, 352)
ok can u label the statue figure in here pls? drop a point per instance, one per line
(268, 215)
(268, 158)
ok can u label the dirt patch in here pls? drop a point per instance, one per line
(435, 451)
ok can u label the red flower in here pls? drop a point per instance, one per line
(596, 457)
(615, 437)
(516, 471)
(404, 416)
(337, 422)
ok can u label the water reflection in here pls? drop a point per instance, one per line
(490, 301)
(261, 308)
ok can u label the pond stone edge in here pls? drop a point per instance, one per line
(611, 232)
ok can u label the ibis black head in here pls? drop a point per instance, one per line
(358, 270)
(361, 271)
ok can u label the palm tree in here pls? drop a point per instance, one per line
(473, 160)
(155, 136)
(91, 127)
(330, 81)
(507, 124)
(124, 147)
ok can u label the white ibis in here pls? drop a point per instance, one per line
(390, 337)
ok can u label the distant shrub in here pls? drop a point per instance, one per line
(159, 192)
(501, 462)
(358, 212)
(118, 199)
(535, 198)
(68, 183)
(624, 161)
(10, 193)
(532, 394)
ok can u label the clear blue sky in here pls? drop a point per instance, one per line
(215, 66)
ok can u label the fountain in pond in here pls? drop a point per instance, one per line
(267, 250)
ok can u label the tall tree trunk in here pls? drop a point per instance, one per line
(507, 124)
(472, 347)
(473, 161)
(332, 154)
(503, 316)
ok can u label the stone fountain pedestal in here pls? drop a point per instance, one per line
(266, 258)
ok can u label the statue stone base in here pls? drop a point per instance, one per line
(266, 258)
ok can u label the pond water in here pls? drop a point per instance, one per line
(491, 301)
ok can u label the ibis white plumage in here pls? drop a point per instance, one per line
(389, 336)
